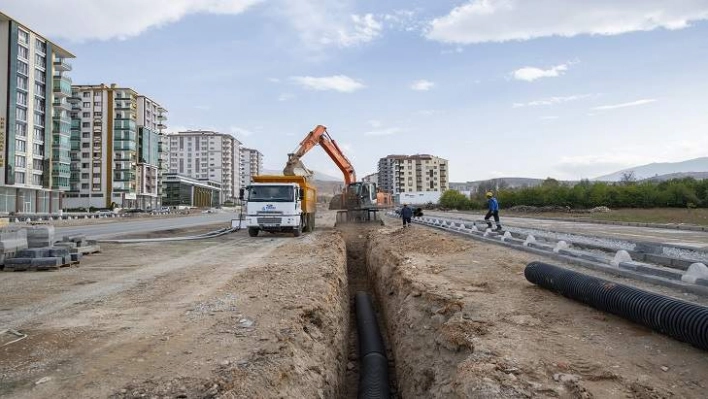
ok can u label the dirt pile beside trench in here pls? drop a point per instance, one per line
(464, 322)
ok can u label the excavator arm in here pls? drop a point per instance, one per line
(319, 136)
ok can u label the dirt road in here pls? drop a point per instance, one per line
(229, 317)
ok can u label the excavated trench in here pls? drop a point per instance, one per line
(355, 237)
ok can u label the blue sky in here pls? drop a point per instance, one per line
(562, 88)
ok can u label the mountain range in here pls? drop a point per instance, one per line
(658, 171)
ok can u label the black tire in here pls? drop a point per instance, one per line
(308, 225)
(252, 232)
(297, 231)
(312, 222)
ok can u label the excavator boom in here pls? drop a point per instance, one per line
(295, 167)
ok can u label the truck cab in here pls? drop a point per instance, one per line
(277, 207)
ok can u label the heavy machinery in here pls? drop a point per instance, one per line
(359, 200)
(279, 204)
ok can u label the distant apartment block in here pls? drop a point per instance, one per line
(115, 148)
(413, 173)
(372, 178)
(207, 156)
(251, 165)
(34, 120)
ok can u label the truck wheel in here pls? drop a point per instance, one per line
(252, 232)
(312, 222)
(297, 231)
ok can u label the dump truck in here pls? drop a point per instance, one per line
(279, 204)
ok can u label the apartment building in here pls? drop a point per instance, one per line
(34, 120)
(207, 156)
(114, 148)
(372, 178)
(251, 165)
(413, 173)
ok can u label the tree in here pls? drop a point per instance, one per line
(454, 199)
(628, 178)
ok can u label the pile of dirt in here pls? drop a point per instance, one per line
(464, 322)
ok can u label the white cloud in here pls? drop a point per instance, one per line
(553, 100)
(286, 97)
(625, 105)
(274, 80)
(530, 74)
(422, 85)
(383, 132)
(325, 23)
(341, 83)
(481, 21)
(81, 20)
(549, 118)
(375, 124)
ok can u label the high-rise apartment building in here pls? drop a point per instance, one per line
(410, 173)
(207, 155)
(34, 120)
(251, 165)
(114, 148)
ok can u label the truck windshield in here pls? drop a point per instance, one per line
(271, 194)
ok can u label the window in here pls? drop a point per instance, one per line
(97, 104)
(85, 186)
(85, 155)
(22, 98)
(38, 149)
(40, 45)
(39, 103)
(21, 114)
(85, 145)
(38, 133)
(85, 124)
(40, 90)
(37, 164)
(40, 76)
(20, 161)
(96, 164)
(37, 180)
(39, 119)
(96, 175)
(40, 60)
(84, 175)
(22, 82)
(86, 94)
(22, 52)
(19, 177)
(96, 186)
(86, 135)
(22, 67)
(20, 129)
(22, 36)
(85, 114)
(98, 113)
(87, 104)
(85, 165)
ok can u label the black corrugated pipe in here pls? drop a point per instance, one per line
(684, 321)
(373, 365)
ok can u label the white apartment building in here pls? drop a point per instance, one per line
(34, 120)
(251, 165)
(114, 148)
(207, 155)
(413, 173)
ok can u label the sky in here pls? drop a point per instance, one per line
(567, 89)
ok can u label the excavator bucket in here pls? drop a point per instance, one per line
(295, 167)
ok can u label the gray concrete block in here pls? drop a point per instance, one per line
(76, 257)
(47, 262)
(66, 244)
(538, 245)
(595, 258)
(18, 261)
(681, 264)
(658, 259)
(702, 281)
(58, 251)
(671, 274)
(630, 265)
(33, 253)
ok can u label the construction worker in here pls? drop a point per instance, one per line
(493, 211)
(406, 215)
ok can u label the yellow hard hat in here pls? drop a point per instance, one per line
(489, 194)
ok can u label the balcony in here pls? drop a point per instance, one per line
(61, 65)
(62, 104)
(62, 86)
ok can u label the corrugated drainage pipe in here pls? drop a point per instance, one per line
(373, 365)
(684, 321)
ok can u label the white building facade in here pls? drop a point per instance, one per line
(251, 165)
(207, 155)
(34, 120)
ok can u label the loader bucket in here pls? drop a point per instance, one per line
(358, 216)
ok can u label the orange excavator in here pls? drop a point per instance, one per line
(359, 200)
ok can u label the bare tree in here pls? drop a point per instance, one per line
(628, 177)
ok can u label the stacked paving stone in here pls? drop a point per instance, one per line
(11, 242)
(39, 259)
(41, 236)
(78, 244)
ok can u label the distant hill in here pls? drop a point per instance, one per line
(654, 170)
(680, 175)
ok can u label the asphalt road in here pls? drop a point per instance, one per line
(686, 238)
(107, 230)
